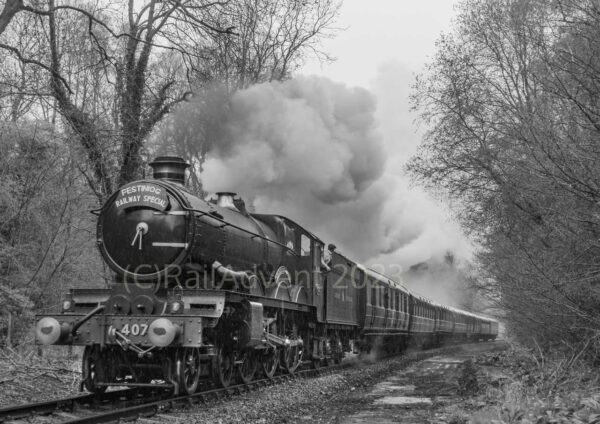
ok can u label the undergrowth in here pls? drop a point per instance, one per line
(526, 387)
(25, 376)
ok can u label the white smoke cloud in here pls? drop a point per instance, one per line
(307, 134)
(331, 158)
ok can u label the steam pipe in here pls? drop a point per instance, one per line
(227, 273)
(86, 318)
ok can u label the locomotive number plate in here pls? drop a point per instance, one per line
(134, 329)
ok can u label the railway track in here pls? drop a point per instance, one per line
(141, 404)
(134, 404)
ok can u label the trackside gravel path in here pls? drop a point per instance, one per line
(416, 387)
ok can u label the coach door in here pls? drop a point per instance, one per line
(319, 278)
(386, 306)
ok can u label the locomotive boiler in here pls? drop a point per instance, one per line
(203, 289)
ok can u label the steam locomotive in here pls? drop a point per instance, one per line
(203, 289)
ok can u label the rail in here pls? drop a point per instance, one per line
(132, 404)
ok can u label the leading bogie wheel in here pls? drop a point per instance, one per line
(223, 368)
(93, 370)
(188, 370)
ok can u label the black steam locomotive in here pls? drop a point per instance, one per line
(203, 289)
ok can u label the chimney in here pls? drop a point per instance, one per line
(170, 168)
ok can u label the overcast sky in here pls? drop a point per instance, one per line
(381, 31)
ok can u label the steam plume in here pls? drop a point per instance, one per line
(314, 151)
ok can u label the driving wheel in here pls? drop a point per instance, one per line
(223, 368)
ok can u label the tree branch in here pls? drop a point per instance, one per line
(36, 62)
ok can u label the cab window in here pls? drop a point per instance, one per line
(304, 245)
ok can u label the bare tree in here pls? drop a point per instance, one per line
(122, 43)
(114, 71)
(273, 39)
(511, 100)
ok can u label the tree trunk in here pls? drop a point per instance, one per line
(11, 8)
(79, 121)
(9, 333)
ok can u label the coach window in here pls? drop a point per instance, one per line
(373, 295)
(358, 279)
